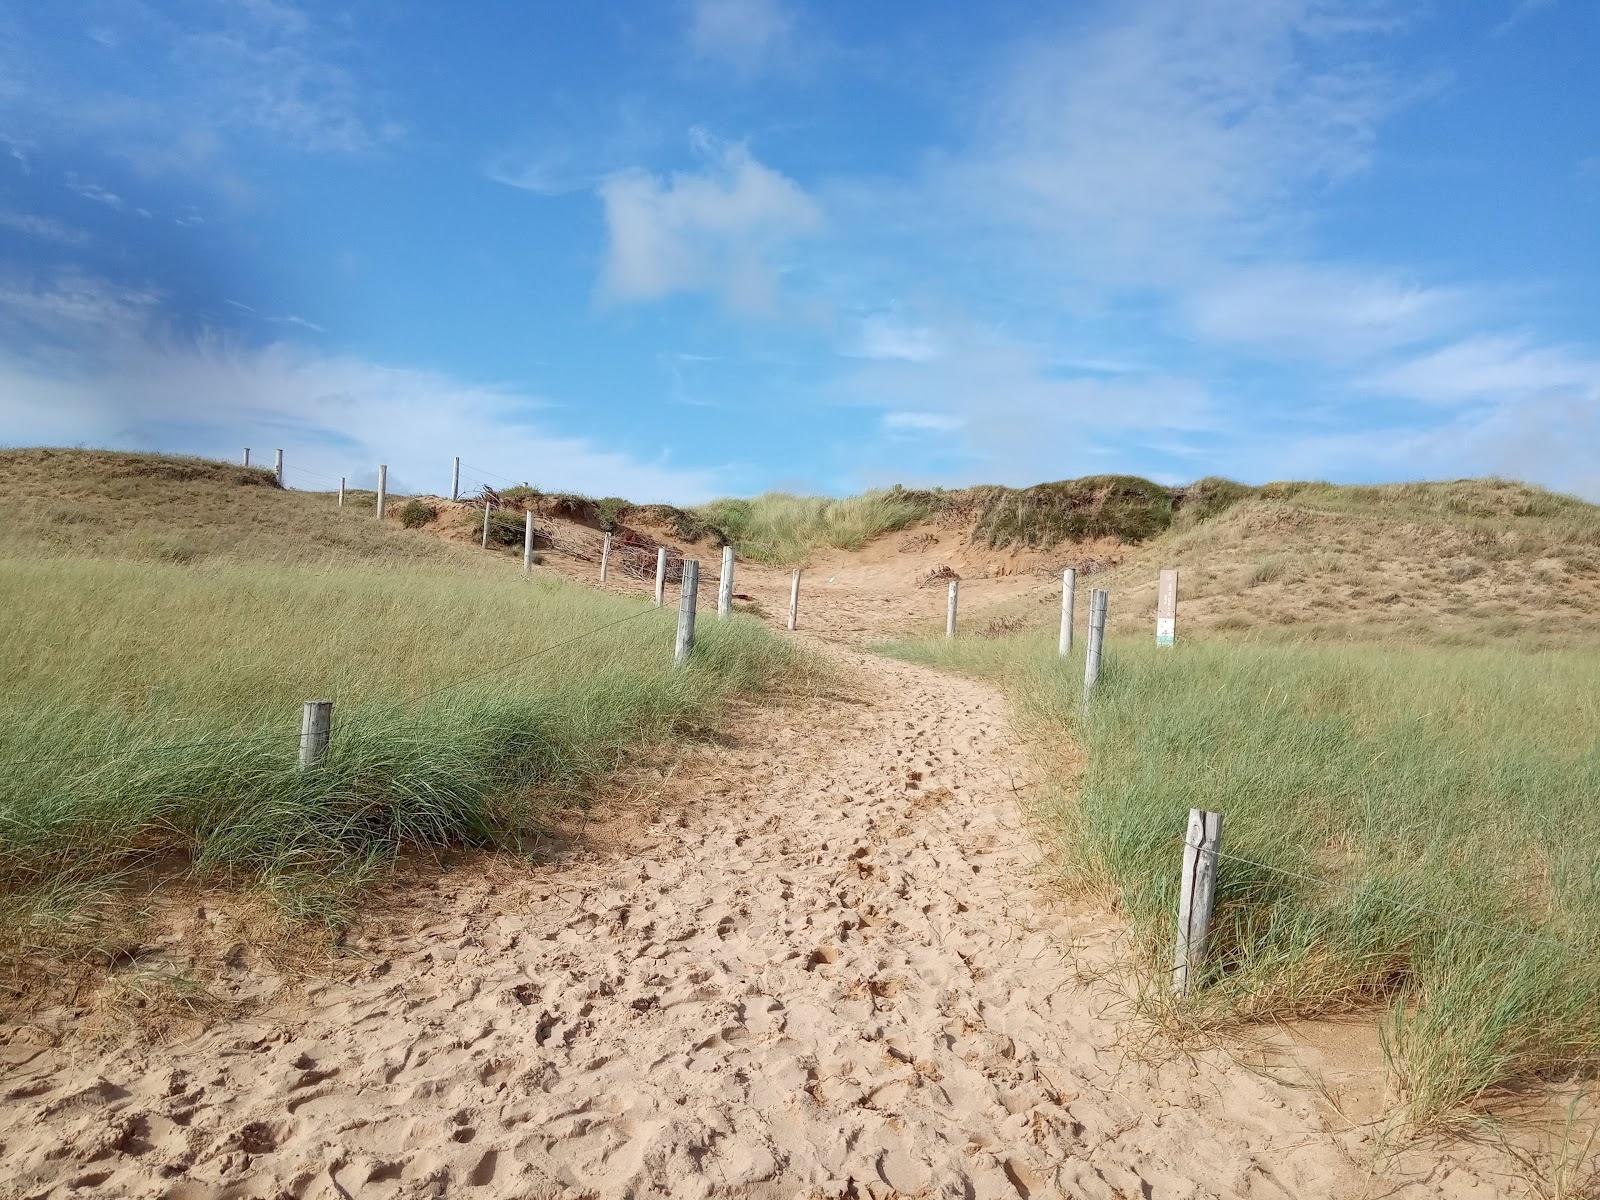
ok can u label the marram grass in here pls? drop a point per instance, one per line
(782, 529)
(1409, 828)
(106, 663)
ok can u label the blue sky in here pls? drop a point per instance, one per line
(678, 249)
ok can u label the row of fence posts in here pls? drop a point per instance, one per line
(1203, 837)
(382, 504)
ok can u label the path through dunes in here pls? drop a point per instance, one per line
(826, 969)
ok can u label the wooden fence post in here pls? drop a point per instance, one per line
(687, 597)
(486, 524)
(1201, 845)
(277, 467)
(455, 477)
(661, 575)
(1097, 638)
(316, 725)
(794, 601)
(950, 609)
(383, 489)
(341, 491)
(1069, 589)
(1167, 607)
(725, 585)
(605, 558)
(247, 456)
(527, 539)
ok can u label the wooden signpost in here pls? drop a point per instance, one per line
(1167, 607)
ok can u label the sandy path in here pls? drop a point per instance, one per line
(826, 969)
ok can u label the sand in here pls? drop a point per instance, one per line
(826, 963)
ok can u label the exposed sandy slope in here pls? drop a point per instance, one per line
(824, 967)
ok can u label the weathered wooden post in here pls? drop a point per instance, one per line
(1097, 637)
(341, 491)
(527, 539)
(1201, 845)
(277, 466)
(383, 489)
(247, 456)
(687, 596)
(661, 575)
(455, 477)
(316, 725)
(794, 600)
(605, 558)
(725, 585)
(1167, 607)
(950, 609)
(486, 524)
(1069, 588)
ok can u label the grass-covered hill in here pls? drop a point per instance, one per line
(165, 619)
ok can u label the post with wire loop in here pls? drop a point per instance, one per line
(686, 602)
(486, 524)
(316, 725)
(1201, 845)
(725, 585)
(950, 609)
(1069, 588)
(277, 467)
(527, 539)
(383, 489)
(247, 456)
(794, 600)
(605, 558)
(661, 575)
(455, 478)
(1097, 637)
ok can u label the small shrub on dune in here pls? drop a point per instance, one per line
(414, 514)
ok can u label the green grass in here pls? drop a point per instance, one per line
(783, 530)
(1411, 828)
(104, 660)
(151, 711)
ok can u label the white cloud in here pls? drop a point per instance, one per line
(716, 230)
(83, 361)
(1497, 368)
(44, 228)
(885, 337)
(740, 32)
(1328, 312)
(921, 422)
(93, 191)
(1021, 420)
(1170, 137)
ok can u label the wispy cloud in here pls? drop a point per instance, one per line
(742, 33)
(90, 190)
(1171, 134)
(716, 230)
(1333, 313)
(884, 336)
(1495, 367)
(114, 373)
(44, 228)
(921, 422)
